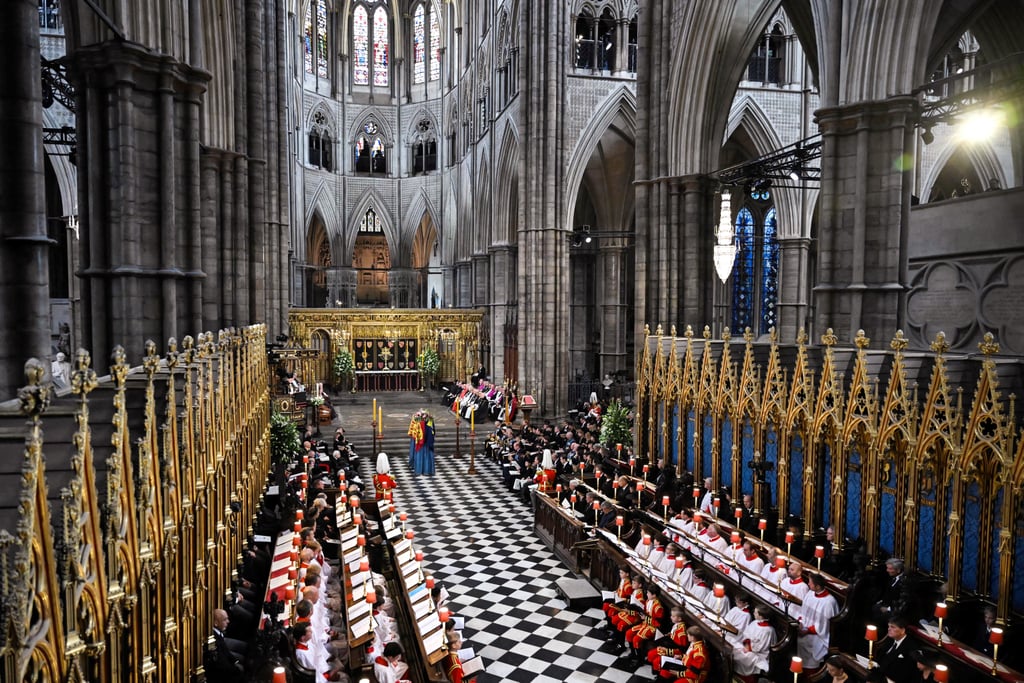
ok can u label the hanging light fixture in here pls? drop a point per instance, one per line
(725, 250)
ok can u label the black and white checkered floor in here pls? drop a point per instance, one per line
(478, 538)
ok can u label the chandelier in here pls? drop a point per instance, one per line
(725, 250)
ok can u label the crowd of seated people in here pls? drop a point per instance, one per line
(590, 481)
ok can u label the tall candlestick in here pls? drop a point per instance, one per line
(664, 504)
(871, 635)
(762, 524)
(995, 636)
(380, 421)
(940, 614)
(797, 667)
(374, 415)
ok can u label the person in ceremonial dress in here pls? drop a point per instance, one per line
(421, 443)
(752, 646)
(382, 480)
(819, 606)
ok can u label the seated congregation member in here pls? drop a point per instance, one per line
(700, 588)
(453, 664)
(749, 559)
(739, 616)
(607, 520)
(752, 646)
(382, 480)
(835, 670)
(623, 593)
(640, 635)
(307, 656)
(980, 640)
(696, 661)
(389, 667)
(819, 606)
(673, 645)
(897, 593)
(795, 585)
(627, 617)
(893, 657)
(220, 659)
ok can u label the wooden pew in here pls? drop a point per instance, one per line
(558, 528)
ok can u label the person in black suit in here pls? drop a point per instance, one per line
(894, 659)
(607, 517)
(980, 641)
(748, 522)
(897, 595)
(223, 656)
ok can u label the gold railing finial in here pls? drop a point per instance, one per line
(83, 378)
(673, 328)
(151, 362)
(647, 329)
(899, 342)
(748, 335)
(861, 340)
(829, 338)
(773, 336)
(940, 345)
(689, 332)
(801, 336)
(988, 344)
(659, 331)
(726, 335)
(707, 332)
(35, 395)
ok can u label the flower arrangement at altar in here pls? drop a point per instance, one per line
(316, 400)
(430, 364)
(344, 366)
(284, 438)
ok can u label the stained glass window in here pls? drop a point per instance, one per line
(360, 46)
(435, 47)
(418, 45)
(769, 272)
(743, 273)
(307, 34)
(380, 46)
(371, 222)
(321, 38)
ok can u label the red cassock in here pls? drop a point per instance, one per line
(646, 629)
(678, 636)
(382, 483)
(623, 592)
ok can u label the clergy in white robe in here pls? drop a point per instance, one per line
(816, 614)
(389, 667)
(739, 616)
(752, 647)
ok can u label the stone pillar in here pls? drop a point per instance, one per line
(792, 306)
(24, 256)
(256, 123)
(464, 284)
(481, 279)
(341, 287)
(139, 197)
(584, 292)
(864, 216)
(616, 314)
(401, 284)
(502, 296)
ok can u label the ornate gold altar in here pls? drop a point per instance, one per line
(385, 343)
(918, 454)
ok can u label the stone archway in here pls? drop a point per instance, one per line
(426, 262)
(318, 257)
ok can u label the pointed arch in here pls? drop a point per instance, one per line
(379, 118)
(328, 121)
(482, 224)
(413, 216)
(371, 199)
(507, 171)
(412, 128)
(323, 204)
(621, 102)
(748, 114)
(980, 155)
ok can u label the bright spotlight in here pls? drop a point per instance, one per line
(980, 125)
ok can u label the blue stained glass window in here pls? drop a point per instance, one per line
(1018, 576)
(705, 452)
(419, 54)
(360, 46)
(888, 522)
(771, 454)
(691, 431)
(371, 223)
(743, 274)
(769, 272)
(826, 461)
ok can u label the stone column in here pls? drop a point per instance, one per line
(616, 316)
(584, 292)
(481, 278)
(464, 284)
(502, 296)
(401, 284)
(864, 215)
(139, 198)
(341, 287)
(792, 306)
(24, 256)
(256, 123)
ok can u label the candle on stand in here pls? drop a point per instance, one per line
(738, 514)
(380, 421)
(696, 495)
(762, 524)
(716, 502)
(819, 552)
(632, 465)
(472, 421)
(789, 542)
(639, 488)
(941, 611)
(597, 509)
(280, 675)
(941, 673)
(364, 565)
(647, 468)
(871, 635)
(664, 504)
(374, 416)
(734, 537)
(299, 514)
(797, 667)
(995, 636)
(619, 521)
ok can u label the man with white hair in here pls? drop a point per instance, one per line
(382, 480)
